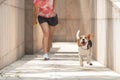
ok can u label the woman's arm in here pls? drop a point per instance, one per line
(35, 10)
(35, 14)
(36, 3)
(54, 2)
(54, 6)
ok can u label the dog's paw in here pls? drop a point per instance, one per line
(90, 64)
(81, 65)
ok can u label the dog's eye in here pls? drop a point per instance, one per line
(85, 37)
(80, 37)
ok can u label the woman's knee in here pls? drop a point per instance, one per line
(46, 33)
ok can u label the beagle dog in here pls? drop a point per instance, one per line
(84, 47)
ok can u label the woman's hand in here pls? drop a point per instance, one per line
(53, 14)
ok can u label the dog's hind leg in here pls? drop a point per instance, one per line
(89, 57)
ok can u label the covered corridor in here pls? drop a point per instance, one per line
(21, 42)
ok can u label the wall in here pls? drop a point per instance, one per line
(73, 15)
(115, 30)
(101, 30)
(107, 32)
(12, 17)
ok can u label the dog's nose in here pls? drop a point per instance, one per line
(83, 39)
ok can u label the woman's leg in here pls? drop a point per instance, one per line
(52, 22)
(51, 34)
(45, 29)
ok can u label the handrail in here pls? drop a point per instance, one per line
(115, 4)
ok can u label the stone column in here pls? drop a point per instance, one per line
(109, 42)
(116, 38)
(29, 27)
(101, 29)
(93, 26)
(107, 31)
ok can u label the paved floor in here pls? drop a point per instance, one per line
(64, 65)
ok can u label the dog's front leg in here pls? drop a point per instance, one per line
(89, 56)
(81, 60)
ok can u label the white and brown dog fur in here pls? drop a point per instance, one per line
(84, 47)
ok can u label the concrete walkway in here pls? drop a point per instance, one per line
(64, 65)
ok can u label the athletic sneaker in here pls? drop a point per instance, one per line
(46, 56)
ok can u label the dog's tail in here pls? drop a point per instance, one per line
(77, 34)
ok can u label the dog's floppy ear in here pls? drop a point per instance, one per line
(78, 41)
(90, 36)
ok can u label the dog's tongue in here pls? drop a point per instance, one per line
(83, 43)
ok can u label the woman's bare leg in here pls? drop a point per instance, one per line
(51, 34)
(45, 29)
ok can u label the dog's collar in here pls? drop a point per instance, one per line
(84, 48)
